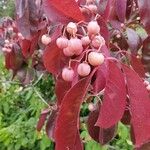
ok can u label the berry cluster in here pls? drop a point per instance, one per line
(83, 39)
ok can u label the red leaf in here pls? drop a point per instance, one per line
(146, 53)
(100, 81)
(140, 106)
(50, 125)
(62, 11)
(144, 7)
(98, 134)
(114, 101)
(68, 117)
(137, 66)
(53, 58)
(62, 86)
(42, 119)
(121, 9)
(25, 47)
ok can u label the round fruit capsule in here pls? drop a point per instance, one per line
(148, 87)
(98, 41)
(67, 52)
(92, 8)
(62, 42)
(75, 45)
(68, 74)
(95, 58)
(45, 39)
(84, 69)
(72, 28)
(93, 27)
(85, 40)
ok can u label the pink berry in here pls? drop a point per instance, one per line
(95, 58)
(118, 36)
(62, 42)
(67, 74)
(84, 69)
(20, 36)
(6, 41)
(68, 52)
(146, 83)
(148, 87)
(4, 49)
(10, 29)
(92, 8)
(98, 41)
(85, 40)
(90, 1)
(75, 46)
(91, 107)
(72, 28)
(45, 39)
(93, 27)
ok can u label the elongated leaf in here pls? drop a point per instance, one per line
(146, 54)
(144, 7)
(68, 117)
(61, 88)
(100, 81)
(27, 17)
(121, 9)
(62, 11)
(114, 102)
(98, 134)
(42, 119)
(140, 104)
(137, 66)
(50, 125)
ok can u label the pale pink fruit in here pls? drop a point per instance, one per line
(68, 52)
(72, 28)
(148, 87)
(45, 39)
(68, 74)
(84, 69)
(85, 40)
(75, 46)
(92, 8)
(91, 107)
(6, 41)
(62, 42)
(90, 1)
(10, 29)
(146, 83)
(95, 58)
(98, 41)
(4, 49)
(93, 27)
(20, 36)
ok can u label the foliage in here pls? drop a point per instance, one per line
(7, 8)
(111, 81)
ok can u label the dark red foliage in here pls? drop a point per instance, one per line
(139, 105)
(68, 116)
(42, 119)
(146, 53)
(114, 97)
(144, 9)
(62, 11)
(99, 134)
